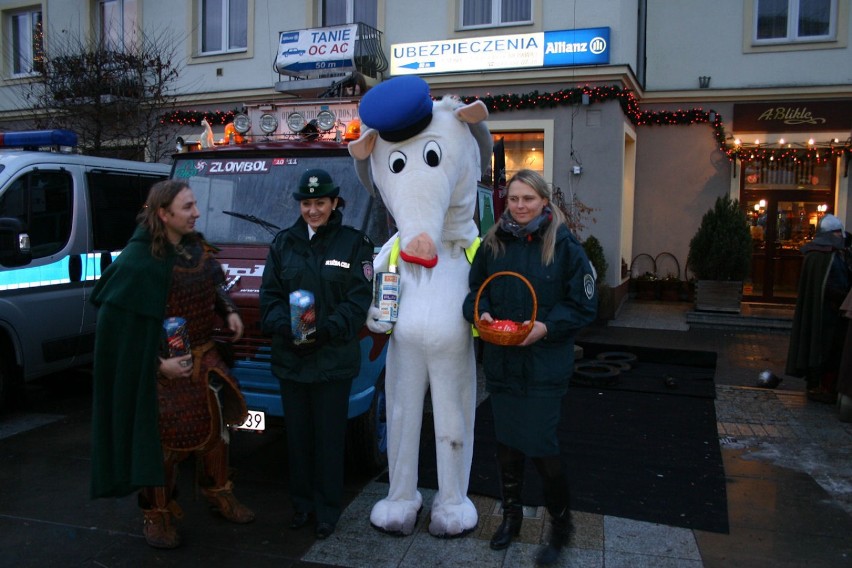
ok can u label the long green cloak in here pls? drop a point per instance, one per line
(131, 298)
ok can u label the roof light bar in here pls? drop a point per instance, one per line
(37, 138)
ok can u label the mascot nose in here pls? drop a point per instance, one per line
(421, 250)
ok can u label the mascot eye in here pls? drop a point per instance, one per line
(432, 154)
(396, 161)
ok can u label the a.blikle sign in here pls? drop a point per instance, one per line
(316, 51)
(562, 48)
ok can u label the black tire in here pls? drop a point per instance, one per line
(594, 374)
(366, 436)
(610, 357)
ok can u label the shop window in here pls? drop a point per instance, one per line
(117, 23)
(791, 21)
(43, 201)
(339, 12)
(804, 175)
(223, 25)
(523, 150)
(495, 13)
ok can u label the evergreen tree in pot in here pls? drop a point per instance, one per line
(720, 256)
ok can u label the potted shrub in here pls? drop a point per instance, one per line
(720, 256)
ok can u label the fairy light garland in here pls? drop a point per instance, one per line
(779, 153)
(194, 117)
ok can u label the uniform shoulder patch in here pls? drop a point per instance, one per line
(367, 268)
(589, 286)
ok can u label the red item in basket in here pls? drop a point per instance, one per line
(504, 325)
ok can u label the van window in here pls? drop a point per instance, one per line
(44, 202)
(116, 199)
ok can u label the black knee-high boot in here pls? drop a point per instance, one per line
(512, 479)
(557, 499)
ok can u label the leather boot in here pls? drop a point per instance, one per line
(218, 488)
(158, 513)
(557, 499)
(512, 478)
(222, 499)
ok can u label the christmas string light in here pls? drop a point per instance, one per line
(194, 117)
(813, 152)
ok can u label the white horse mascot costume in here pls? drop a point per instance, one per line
(425, 159)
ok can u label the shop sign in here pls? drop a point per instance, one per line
(794, 116)
(563, 48)
(317, 50)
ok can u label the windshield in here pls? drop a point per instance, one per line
(242, 199)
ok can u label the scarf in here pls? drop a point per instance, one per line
(508, 223)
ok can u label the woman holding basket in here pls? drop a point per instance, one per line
(526, 380)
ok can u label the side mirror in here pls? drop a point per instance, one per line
(14, 243)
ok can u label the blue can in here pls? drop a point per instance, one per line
(177, 336)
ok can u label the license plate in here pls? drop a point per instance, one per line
(255, 422)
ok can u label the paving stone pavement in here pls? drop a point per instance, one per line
(771, 440)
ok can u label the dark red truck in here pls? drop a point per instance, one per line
(244, 192)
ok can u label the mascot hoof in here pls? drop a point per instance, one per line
(453, 521)
(373, 323)
(396, 518)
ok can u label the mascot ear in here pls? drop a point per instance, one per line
(362, 168)
(362, 148)
(473, 113)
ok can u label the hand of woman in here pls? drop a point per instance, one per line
(485, 317)
(176, 367)
(537, 333)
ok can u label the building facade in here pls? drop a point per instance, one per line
(645, 110)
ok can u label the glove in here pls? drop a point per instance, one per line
(314, 341)
(373, 323)
(320, 337)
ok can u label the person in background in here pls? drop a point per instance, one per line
(844, 377)
(152, 410)
(525, 386)
(320, 255)
(817, 335)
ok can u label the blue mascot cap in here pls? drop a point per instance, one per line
(315, 183)
(399, 108)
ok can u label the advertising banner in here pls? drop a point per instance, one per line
(314, 51)
(542, 49)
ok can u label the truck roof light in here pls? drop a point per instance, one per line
(353, 130)
(242, 123)
(325, 120)
(34, 139)
(268, 123)
(296, 121)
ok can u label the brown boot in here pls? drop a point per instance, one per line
(159, 529)
(222, 499)
(159, 511)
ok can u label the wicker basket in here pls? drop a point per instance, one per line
(497, 336)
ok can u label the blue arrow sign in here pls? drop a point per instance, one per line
(422, 65)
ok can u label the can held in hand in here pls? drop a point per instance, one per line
(387, 296)
(303, 320)
(177, 336)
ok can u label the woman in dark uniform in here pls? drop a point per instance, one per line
(526, 382)
(334, 262)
